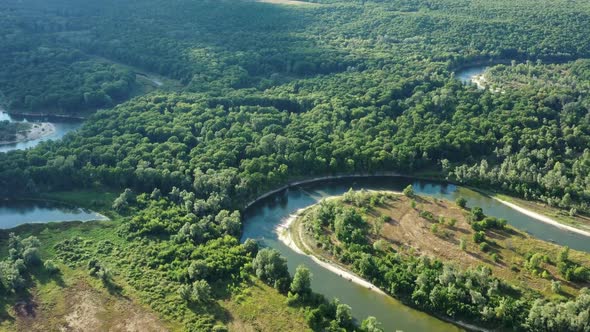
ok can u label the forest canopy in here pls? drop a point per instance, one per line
(268, 93)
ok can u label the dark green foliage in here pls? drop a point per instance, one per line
(476, 214)
(479, 236)
(271, 268)
(484, 247)
(461, 202)
(9, 130)
(284, 92)
(570, 270)
(22, 255)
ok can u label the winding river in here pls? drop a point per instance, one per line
(62, 127)
(262, 218)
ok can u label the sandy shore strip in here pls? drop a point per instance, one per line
(39, 130)
(543, 218)
(283, 230)
(285, 237)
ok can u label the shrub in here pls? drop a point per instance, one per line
(479, 237)
(434, 228)
(409, 191)
(463, 244)
(50, 266)
(556, 286)
(461, 202)
(484, 247)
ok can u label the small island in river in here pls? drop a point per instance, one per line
(16, 132)
(443, 257)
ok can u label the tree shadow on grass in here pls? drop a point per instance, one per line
(44, 276)
(115, 289)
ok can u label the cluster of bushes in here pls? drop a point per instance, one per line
(570, 270)
(441, 288)
(23, 254)
(9, 130)
(320, 314)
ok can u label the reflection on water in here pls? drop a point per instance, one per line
(467, 75)
(261, 219)
(62, 127)
(14, 213)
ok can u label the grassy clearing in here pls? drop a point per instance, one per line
(72, 301)
(410, 232)
(259, 307)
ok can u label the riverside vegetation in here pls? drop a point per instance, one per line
(451, 260)
(270, 93)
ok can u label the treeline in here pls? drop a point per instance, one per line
(180, 259)
(9, 130)
(473, 295)
(542, 148)
(51, 80)
(217, 47)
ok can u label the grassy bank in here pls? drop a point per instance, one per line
(131, 300)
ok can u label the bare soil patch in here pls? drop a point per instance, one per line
(80, 307)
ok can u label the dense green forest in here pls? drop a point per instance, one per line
(9, 130)
(273, 92)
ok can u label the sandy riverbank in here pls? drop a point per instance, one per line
(37, 131)
(318, 179)
(543, 218)
(285, 236)
(284, 232)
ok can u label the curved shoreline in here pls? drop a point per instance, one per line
(542, 218)
(535, 215)
(285, 236)
(45, 115)
(284, 233)
(37, 131)
(323, 178)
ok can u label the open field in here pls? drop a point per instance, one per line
(408, 231)
(259, 307)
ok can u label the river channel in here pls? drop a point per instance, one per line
(62, 127)
(262, 218)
